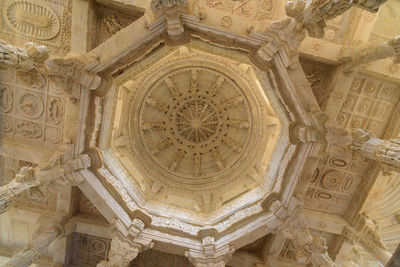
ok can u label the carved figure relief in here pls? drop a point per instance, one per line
(55, 110)
(32, 18)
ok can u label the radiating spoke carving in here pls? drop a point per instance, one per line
(190, 134)
(230, 103)
(157, 105)
(171, 87)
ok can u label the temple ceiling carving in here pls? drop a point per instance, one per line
(204, 133)
(195, 130)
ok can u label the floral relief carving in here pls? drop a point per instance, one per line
(31, 79)
(29, 129)
(31, 105)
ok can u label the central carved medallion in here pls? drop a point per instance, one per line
(195, 122)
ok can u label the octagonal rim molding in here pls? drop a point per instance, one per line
(276, 79)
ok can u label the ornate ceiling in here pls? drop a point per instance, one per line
(205, 133)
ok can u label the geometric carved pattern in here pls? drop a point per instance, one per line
(30, 108)
(86, 250)
(368, 105)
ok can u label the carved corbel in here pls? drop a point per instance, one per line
(310, 248)
(74, 69)
(211, 255)
(356, 56)
(385, 152)
(124, 244)
(172, 12)
(29, 181)
(48, 230)
(364, 233)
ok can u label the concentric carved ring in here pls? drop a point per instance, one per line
(195, 122)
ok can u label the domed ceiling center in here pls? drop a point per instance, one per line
(194, 122)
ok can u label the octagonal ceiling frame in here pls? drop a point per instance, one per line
(276, 72)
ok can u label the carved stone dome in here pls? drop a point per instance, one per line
(194, 123)
(194, 127)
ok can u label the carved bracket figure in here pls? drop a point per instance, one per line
(172, 11)
(29, 181)
(310, 248)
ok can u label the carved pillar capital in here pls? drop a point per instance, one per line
(74, 69)
(124, 244)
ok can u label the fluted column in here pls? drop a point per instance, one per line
(47, 231)
(29, 180)
(124, 246)
(310, 248)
